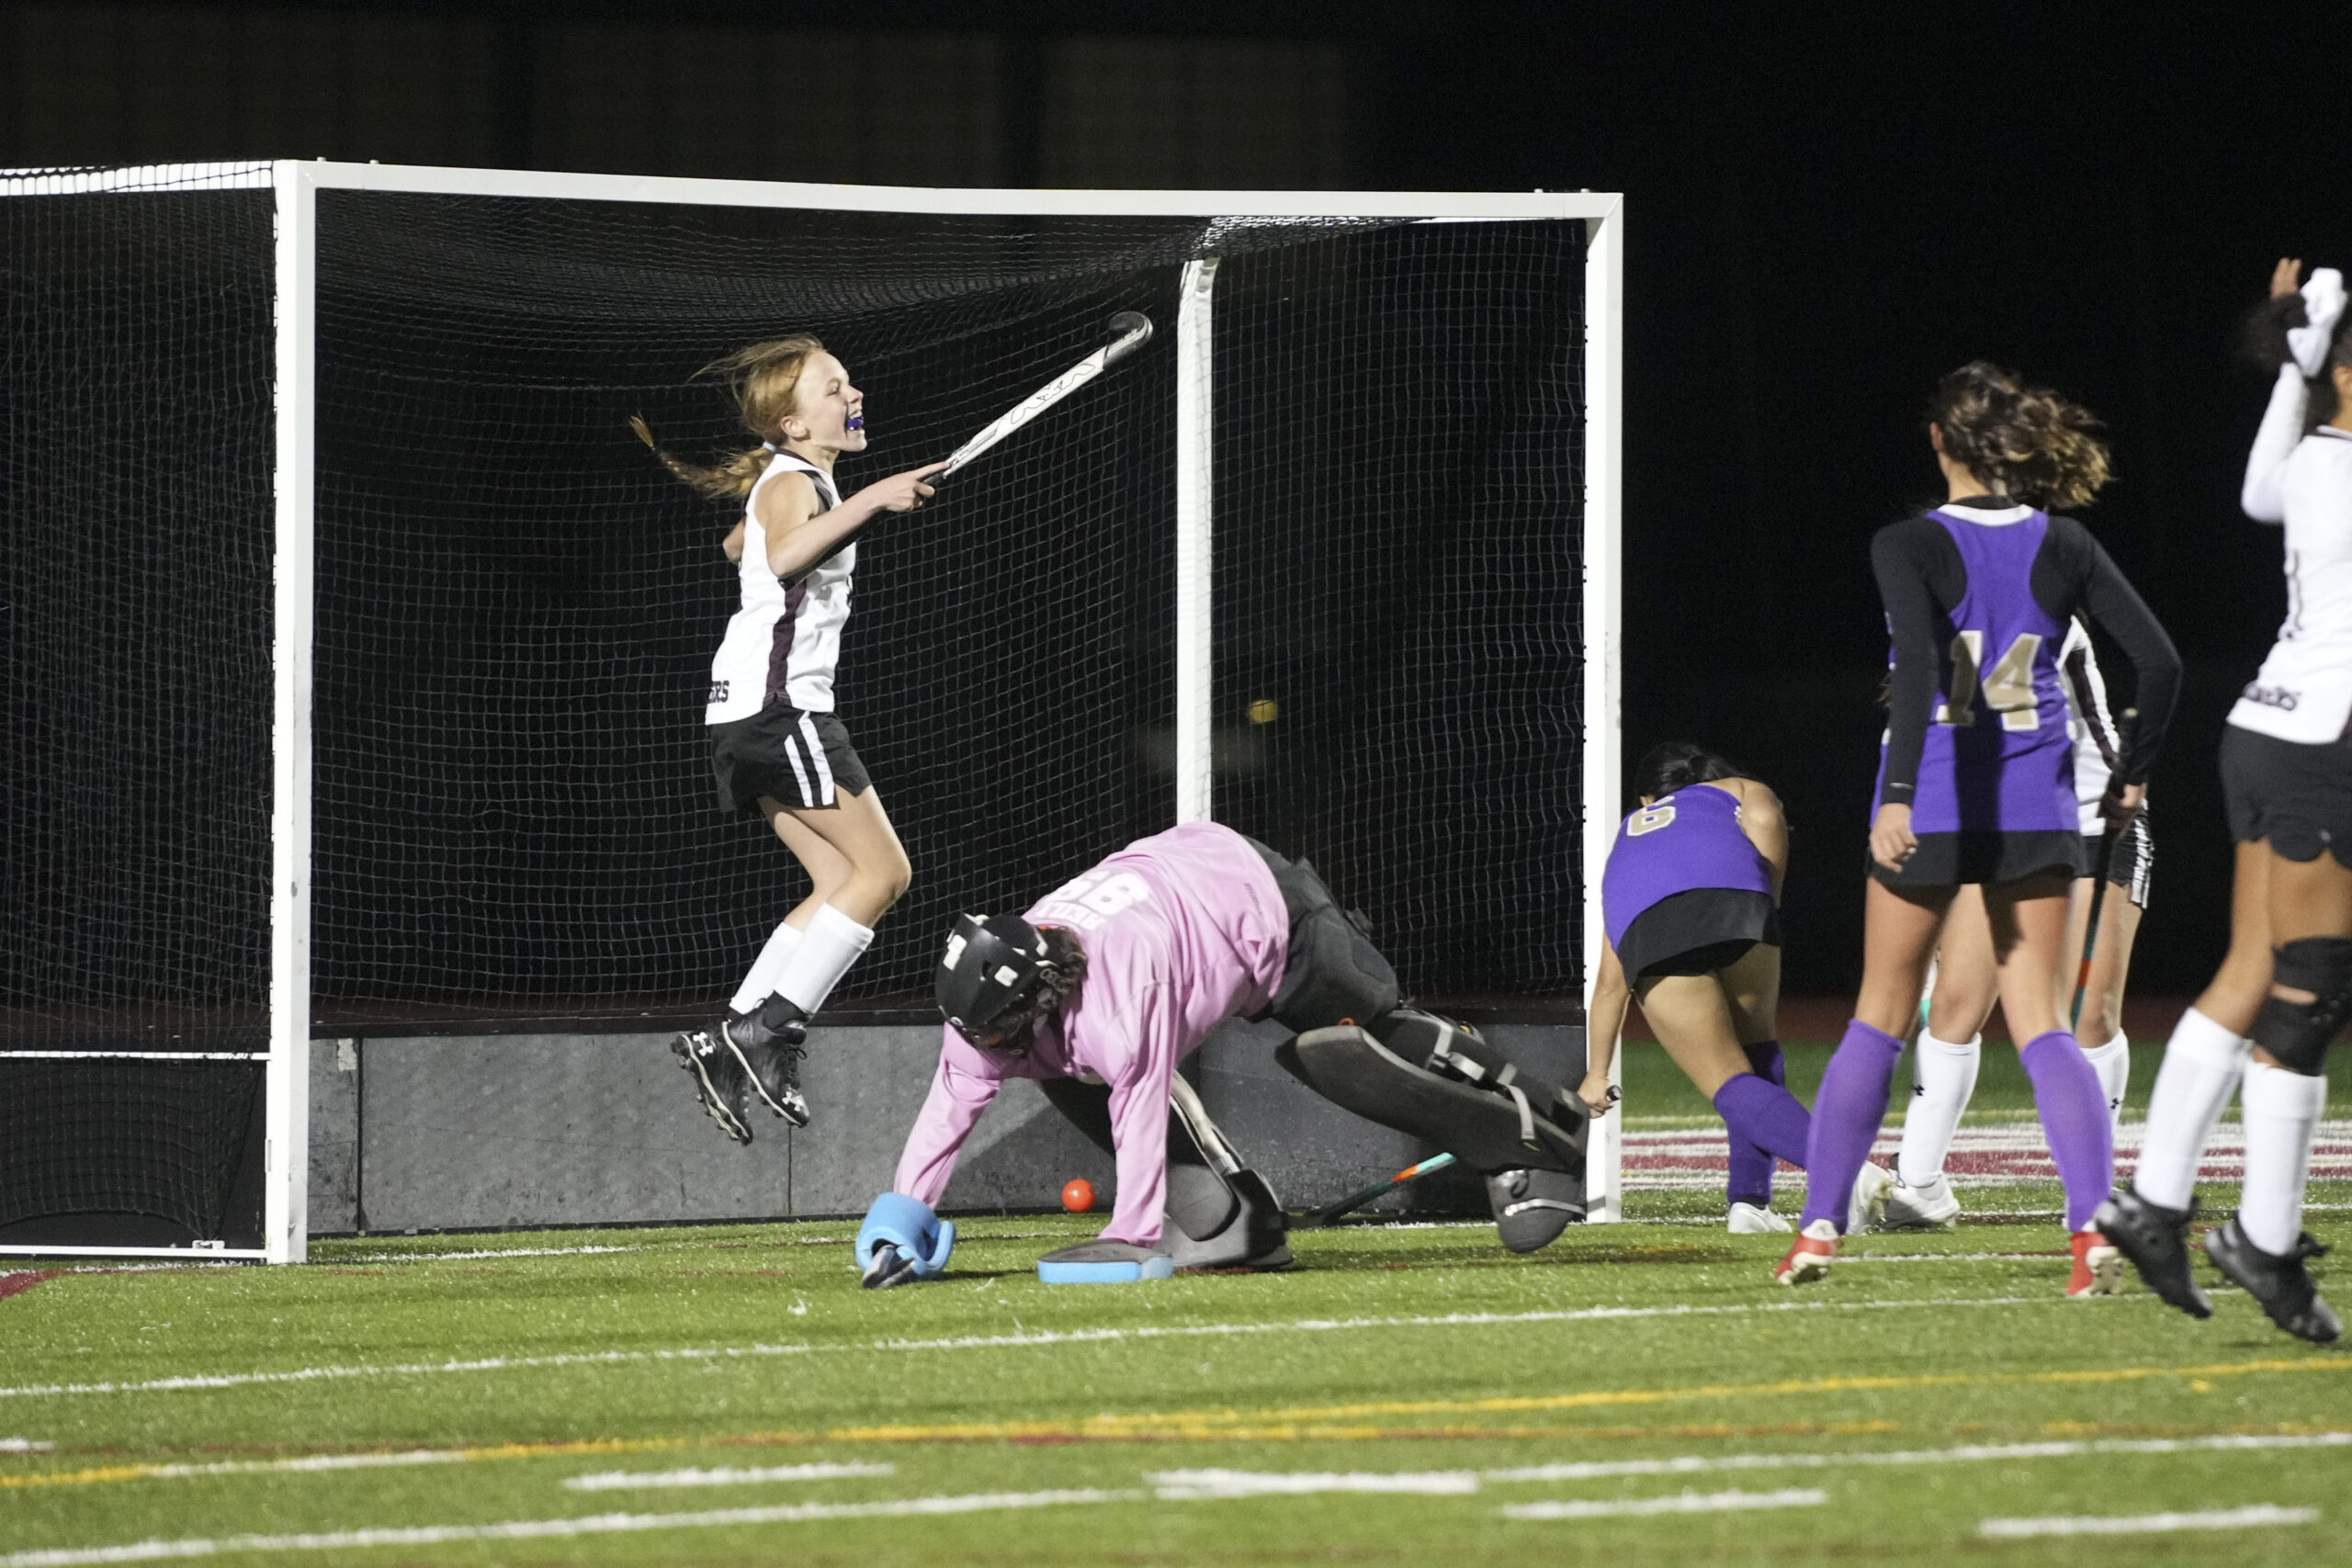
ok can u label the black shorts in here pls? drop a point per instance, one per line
(1333, 974)
(2297, 797)
(2135, 859)
(793, 757)
(1948, 860)
(1697, 932)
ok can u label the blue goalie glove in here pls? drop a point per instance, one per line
(902, 1241)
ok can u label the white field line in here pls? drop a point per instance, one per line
(1694, 1465)
(1183, 1485)
(624, 1480)
(374, 1258)
(1680, 1503)
(2251, 1516)
(24, 1446)
(992, 1342)
(533, 1530)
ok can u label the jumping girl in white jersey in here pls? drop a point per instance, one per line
(777, 747)
(1967, 975)
(2282, 992)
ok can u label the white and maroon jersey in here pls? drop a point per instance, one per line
(2089, 724)
(2303, 692)
(1182, 931)
(781, 647)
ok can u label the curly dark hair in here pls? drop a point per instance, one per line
(2028, 442)
(2261, 342)
(1063, 973)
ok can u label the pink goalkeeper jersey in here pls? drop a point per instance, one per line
(1182, 931)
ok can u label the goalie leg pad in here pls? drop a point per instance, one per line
(2298, 1033)
(1487, 1129)
(1457, 1051)
(1220, 1214)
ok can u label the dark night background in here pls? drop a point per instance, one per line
(1827, 208)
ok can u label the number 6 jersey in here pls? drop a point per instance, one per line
(1978, 597)
(1678, 843)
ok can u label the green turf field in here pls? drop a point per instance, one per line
(1396, 1399)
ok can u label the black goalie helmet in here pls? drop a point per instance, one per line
(988, 978)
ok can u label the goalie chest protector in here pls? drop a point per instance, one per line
(1678, 843)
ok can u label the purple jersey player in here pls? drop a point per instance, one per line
(1692, 901)
(1975, 780)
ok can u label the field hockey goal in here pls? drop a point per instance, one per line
(356, 652)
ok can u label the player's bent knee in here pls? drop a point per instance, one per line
(2298, 1033)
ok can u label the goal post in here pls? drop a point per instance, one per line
(1202, 435)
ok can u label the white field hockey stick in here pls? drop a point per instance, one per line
(1130, 331)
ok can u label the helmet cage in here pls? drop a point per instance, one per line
(989, 981)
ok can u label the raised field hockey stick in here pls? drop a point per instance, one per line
(1129, 330)
(1325, 1216)
(2107, 843)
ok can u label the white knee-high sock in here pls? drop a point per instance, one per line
(767, 969)
(831, 944)
(2203, 1062)
(1943, 1074)
(2112, 1062)
(2282, 1110)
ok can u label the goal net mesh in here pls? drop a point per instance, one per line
(136, 441)
(517, 607)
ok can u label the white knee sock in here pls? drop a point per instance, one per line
(831, 944)
(2202, 1064)
(2112, 1062)
(1943, 1074)
(2282, 1110)
(767, 969)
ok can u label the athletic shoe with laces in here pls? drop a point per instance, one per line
(720, 1083)
(2281, 1285)
(1930, 1206)
(2098, 1266)
(1809, 1259)
(1871, 1183)
(771, 1067)
(2155, 1240)
(1748, 1219)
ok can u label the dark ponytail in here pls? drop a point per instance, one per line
(1678, 764)
(2261, 342)
(2029, 442)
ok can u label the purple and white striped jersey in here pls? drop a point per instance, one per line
(781, 647)
(1678, 843)
(1996, 756)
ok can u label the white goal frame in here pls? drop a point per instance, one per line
(296, 183)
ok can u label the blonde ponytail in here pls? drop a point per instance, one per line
(763, 377)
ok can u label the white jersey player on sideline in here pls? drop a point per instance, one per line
(2266, 1019)
(1964, 981)
(777, 745)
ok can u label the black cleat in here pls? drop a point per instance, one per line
(1533, 1207)
(888, 1267)
(720, 1081)
(2156, 1239)
(771, 1065)
(2281, 1285)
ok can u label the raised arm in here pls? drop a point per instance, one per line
(2264, 495)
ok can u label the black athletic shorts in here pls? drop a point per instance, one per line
(2135, 859)
(1947, 860)
(1699, 933)
(2296, 795)
(793, 757)
(1334, 974)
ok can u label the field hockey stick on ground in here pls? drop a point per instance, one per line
(1355, 1201)
(2107, 843)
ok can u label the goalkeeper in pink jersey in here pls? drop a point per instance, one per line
(1110, 980)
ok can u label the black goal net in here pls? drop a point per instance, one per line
(136, 456)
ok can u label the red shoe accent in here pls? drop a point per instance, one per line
(1809, 1259)
(2098, 1266)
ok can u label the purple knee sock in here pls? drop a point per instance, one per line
(2074, 1118)
(1751, 1168)
(1767, 1119)
(1846, 1115)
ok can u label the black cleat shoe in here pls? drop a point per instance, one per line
(2156, 1239)
(2281, 1284)
(721, 1082)
(888, 1267)
(771, 1067)
(1533, 1207)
